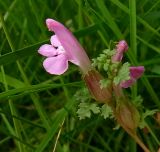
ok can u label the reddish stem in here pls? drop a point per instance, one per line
(136, 138)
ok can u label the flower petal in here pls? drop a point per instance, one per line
(56, 65)
(117, 57)
(122, 46)
(70, 44)
(54, 41)
(47, 50)
(136, 72)
(127, 83)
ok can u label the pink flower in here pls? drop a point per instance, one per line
(135, 73)
(64, 47)
(121, 47)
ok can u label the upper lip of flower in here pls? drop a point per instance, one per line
(73, 48)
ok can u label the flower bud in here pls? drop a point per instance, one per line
(92, 80)
(121, 47)
(127, 115)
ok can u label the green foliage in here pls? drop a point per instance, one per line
(85, 110)
(103, 62)
(106, 111)
(82, 95)
(147, 113)
(137, 101)
(123, 74)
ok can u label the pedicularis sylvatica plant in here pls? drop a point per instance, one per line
(107, 90)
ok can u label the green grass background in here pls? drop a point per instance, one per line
(38, 110)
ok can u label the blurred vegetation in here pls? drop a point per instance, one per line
(38, 110)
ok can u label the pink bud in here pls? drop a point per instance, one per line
(121, 47)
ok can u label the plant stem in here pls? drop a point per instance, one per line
(133, 134)
(133, 26)
(133, 33)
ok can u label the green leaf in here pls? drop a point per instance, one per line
(138, 101)
(82, 95)
(94, 108)
(104, 60)
(21, 53)
(106, 51)
(147, 113)
(11, 81)
(123, 74)
(85, 110)
(109, 53)
(18, 92)
(106, 66)
(106, 111)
